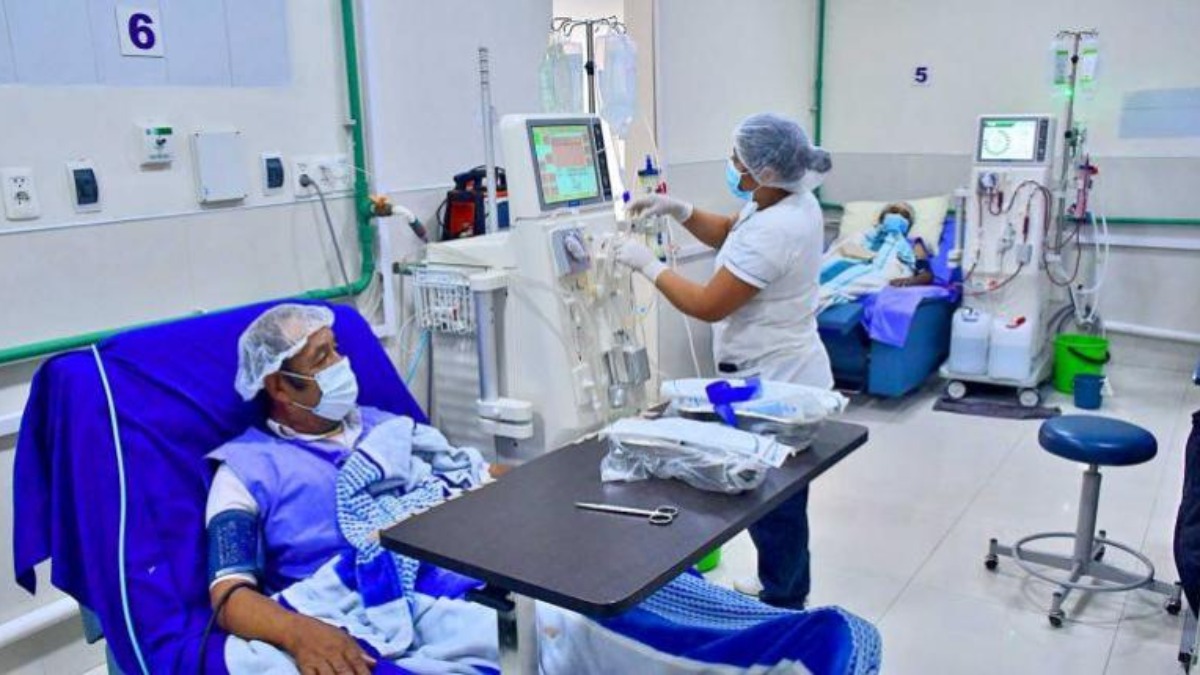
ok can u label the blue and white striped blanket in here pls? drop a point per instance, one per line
(845, 278)
(414, 618)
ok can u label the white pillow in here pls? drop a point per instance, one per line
(929, 213)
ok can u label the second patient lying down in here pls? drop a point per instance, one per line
(882, 256)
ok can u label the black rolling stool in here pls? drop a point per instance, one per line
(1096, 442)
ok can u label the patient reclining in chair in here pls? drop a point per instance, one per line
(866, 263)
(299, 579)
(273, 507)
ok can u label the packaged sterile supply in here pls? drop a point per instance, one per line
(793, 412)
(705, 455)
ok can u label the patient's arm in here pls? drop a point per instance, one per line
(316, 647)
(923, 273)
(233, 540)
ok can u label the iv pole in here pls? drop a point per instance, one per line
(567, 25)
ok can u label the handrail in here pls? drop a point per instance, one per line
(362, 208)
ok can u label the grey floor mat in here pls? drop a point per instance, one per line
(1002, 404)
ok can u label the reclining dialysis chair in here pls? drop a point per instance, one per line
(111, 485)
(126, 534)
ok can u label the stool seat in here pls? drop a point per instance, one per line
(1097, 440)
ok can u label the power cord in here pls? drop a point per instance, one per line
(201, 667)
(307, 182)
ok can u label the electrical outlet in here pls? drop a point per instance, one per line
(336, 170)
(306, 165)
(20, 193)
(332, 173)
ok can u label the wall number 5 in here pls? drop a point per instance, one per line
(921, 75)
(140, 31)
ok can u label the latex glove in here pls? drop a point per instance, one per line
(659, 205)
(634, 254)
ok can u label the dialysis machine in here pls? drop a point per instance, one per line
(558, 334)
(1010, 246)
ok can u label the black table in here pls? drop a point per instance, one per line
(523, 534)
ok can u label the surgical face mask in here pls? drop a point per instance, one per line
(733, 178)
(894, 223)
(339, 391)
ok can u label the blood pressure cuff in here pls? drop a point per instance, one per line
(233, 545)
(922, 265)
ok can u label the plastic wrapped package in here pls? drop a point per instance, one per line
(704, 455)
(791, 412)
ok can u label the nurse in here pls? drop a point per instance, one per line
(761, 301)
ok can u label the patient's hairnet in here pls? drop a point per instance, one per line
(777, 152)
(275, 336)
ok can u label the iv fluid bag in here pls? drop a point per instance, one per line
(561, 77)
(1089, 60)
(618, 83)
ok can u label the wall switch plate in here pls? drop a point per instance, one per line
(20, 193)
(274, 173)
(84, 186)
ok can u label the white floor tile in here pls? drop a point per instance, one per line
(904, 523)
(931, 630)
(957, 566)
(865, 535)
(866, 594)
(1147, 645)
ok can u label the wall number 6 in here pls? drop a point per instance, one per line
(141, 33)
(921, 75)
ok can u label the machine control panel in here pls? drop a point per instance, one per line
(1014, 139)
(570, 249)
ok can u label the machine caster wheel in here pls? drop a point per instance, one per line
(1173, 607)
(991, 563)
(1029, 398)
(956, 390)
(1056, 618)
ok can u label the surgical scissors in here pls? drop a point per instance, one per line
(662, 515)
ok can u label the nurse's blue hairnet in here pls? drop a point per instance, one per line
(275, 336)
(777, 152)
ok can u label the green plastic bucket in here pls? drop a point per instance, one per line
(1076, 354)
(709, 562)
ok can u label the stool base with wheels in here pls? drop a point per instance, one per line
(1095, 441)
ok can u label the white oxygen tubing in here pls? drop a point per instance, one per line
(687, 324)
(672, 259)
(120, 455)
(1100, 240)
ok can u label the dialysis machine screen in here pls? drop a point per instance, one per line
(1012, 139)
(570, 170)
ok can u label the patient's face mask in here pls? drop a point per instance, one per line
(894, 223)
(339, 391)
(733, 178)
